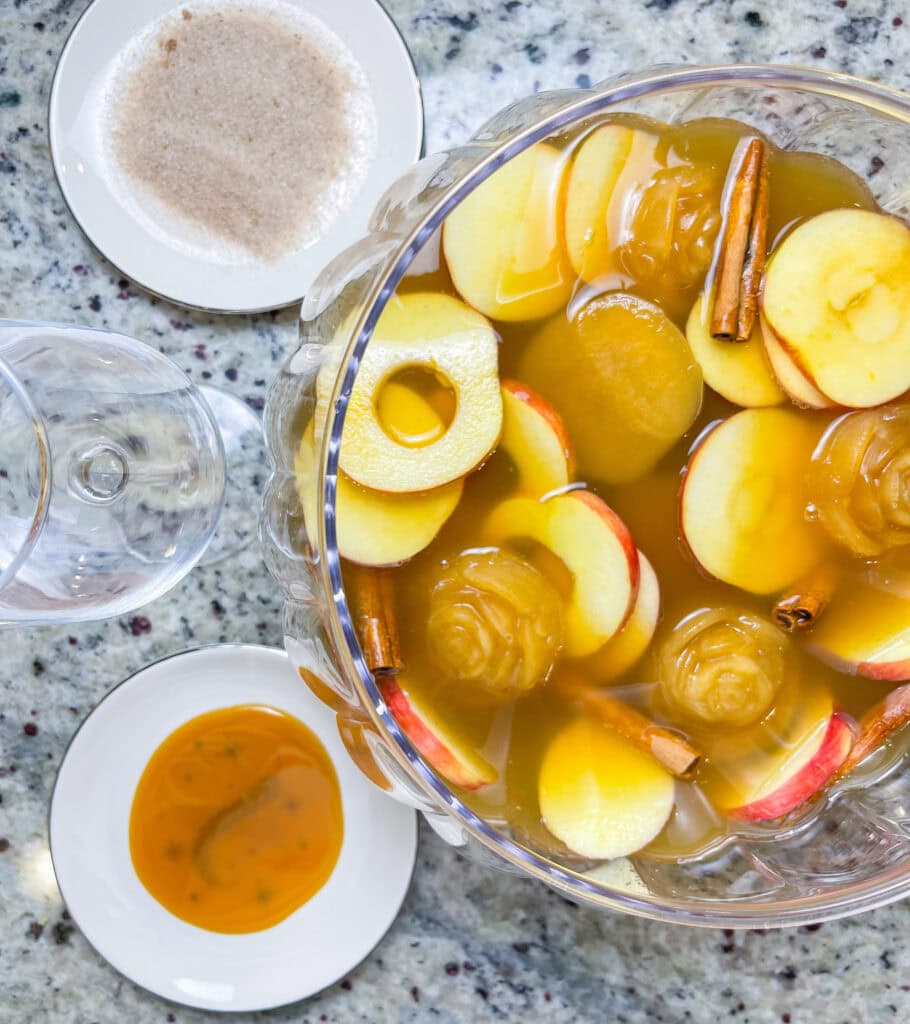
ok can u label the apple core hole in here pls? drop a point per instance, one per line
(415, 406)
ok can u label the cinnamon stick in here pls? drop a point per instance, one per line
(800, 606)
(744, 233)
(375, 620)
(756, 255)
(878, 725)
(675, 753)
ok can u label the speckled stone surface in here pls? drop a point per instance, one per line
(470, 945)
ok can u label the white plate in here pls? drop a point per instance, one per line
(89, 826)
(149, 257)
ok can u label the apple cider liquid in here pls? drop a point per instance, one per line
(657, 585)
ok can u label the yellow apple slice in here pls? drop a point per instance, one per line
(592, 180)
(452, 756)
(865, 630)
(535, 438)
(799, 389)
(739, 372)
(743, 501)
(837, 296)
(504, 243)
(599, 795)
(594, 545)
(630, 643)
(455, 344)
(374, 527)
(624, 379)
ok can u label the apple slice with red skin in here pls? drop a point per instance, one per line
(743, 500)
(865, 630)
(535, 438)
(621, 652)
(797, 386)
(451, 756)
(595, 546)
(801, 772)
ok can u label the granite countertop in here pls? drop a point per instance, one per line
(470, 944)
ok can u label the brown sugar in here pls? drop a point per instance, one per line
(250, 124)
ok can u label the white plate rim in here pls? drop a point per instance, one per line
(418, 110)
(167, 994)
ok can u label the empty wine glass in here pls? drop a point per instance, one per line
(112, 473)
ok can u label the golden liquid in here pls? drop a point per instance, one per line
(513, 738)
(237, 819)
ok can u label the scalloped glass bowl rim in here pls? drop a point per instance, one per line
(743, 913)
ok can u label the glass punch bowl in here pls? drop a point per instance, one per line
(851, 852)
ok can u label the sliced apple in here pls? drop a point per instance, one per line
(799, 389)
(437, 743)
(594, 545)
(865, 630)
(630, 643)
(740, 372)
(837, 296)
(504, 244)
(448, 340)
(596, 169)
(373, 527)
(789, 779)
(599, 795)
(743, 500)
(535, 438)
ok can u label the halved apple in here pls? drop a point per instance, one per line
(797, 774)
(743, 500)
(741, 373)
(595, 546)
(374, 527)
(837, 296)
(799, 389)
(624, 379)
(600, 795)
(448, 340)
(536, 439)
(437, 743)
(865, 630)
(596, 169)
(630, 643)
(504, 244)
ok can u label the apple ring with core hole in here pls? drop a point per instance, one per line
(442, 434)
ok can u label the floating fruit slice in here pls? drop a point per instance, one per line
(866, 630)
(504, 243)
(443, 750)
(799, 389)
(374, 528)
(596, 169)
(536, 439)
(454, 344)
(621, 652)
(743, 500)
(798, 772)
(739, 372)
(837, 296)
(600, 795)
(623, 377)
(595, 546)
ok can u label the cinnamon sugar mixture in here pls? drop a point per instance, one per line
(251, 123)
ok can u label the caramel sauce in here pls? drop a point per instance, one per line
(237, 819)
(514, 737)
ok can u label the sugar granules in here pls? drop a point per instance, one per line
(252, 122)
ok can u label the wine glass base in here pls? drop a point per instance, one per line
(246, 470)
